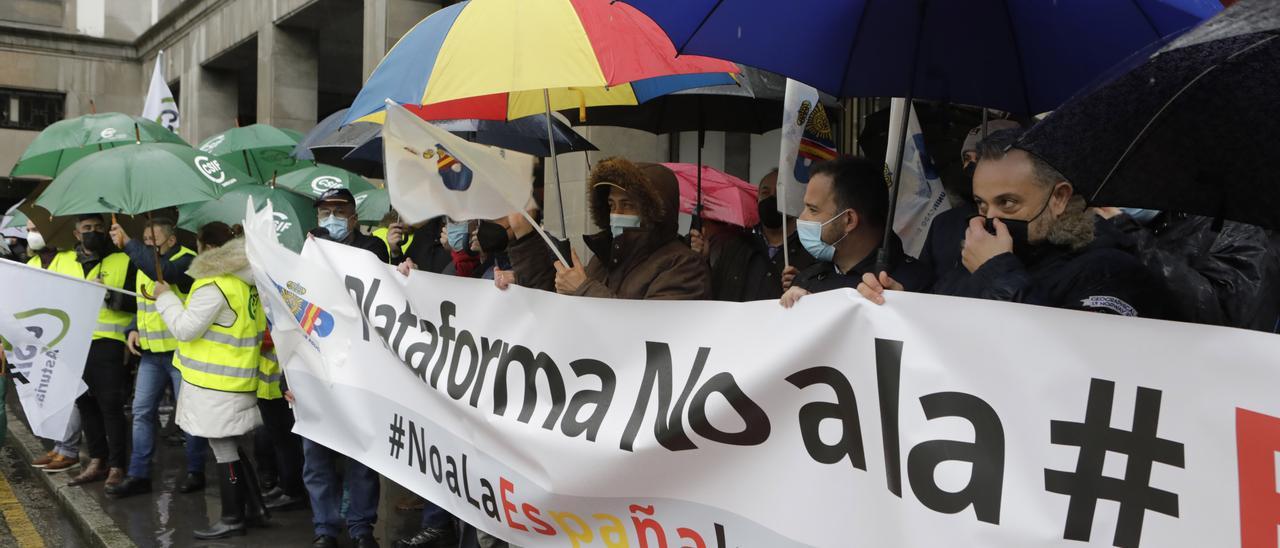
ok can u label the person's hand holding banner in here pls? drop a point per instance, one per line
(873, 289)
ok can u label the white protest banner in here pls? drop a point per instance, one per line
(550, 420)
(922, 196)
(806, 140)
(159, 105)
(47, 322)
(431, 172)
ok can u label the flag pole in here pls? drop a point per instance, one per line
(882, 256)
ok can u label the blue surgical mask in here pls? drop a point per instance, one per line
(1143, 216)
(337, 227)
(810, 233)
(459, 235)
(617, 223)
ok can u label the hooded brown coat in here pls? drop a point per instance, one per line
(648, 262)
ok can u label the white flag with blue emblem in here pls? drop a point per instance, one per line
(431, 172)
(160, 106)
(922, 197)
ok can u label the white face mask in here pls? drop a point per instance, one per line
(35, 241)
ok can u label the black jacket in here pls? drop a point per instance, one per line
(1223, 277)
(368, 243)
(823, 276)
(743, 271)
(426, 251)
(143, 259)
(942, 247)
(1099, 278)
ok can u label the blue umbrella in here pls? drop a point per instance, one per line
(1023, 56)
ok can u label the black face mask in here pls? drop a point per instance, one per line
(770, 217)
(95, 242)
(968, 171)
(1019, 231)
(492, 237)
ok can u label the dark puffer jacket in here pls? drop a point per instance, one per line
(1223, 277)
(648, 262)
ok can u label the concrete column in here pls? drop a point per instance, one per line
(208, 99)
(287, 77)
(385, 21)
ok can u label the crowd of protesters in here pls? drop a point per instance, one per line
(199, 329)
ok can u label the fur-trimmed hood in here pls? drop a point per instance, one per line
(651, 187)
(231, 258)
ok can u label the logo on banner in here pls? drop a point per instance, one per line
(312, 319)
(212, 170)
(48, 326)
(816, 144)
(325, 182)
(455, 174)
(169, 116)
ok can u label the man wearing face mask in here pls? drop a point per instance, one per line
(846, 205)
(640, 255)
(1218, 274)
(336, 220)
(768, 241)
(1034, 243)
(106, 372)
(489, 242)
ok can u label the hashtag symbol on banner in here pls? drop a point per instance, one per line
(397, 436)
(1142, 448)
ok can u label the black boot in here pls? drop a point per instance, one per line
(232, 488)
(255, 508)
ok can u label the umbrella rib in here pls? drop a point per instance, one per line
(1143, 133)
(853, 46)
(1017, 55)
(699, 27)
(1146, 17)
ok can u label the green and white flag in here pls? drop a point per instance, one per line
(160, 105)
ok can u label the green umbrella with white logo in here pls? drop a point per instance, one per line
(260, 150)
(65, 142)
(294, 214)
(313, 181)
(136, 179)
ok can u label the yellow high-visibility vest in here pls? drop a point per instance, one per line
(269, 374)
(153, 334)
(226, 358)
(111, 272)
(381, 234)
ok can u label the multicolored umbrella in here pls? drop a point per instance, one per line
(62, 143)
(293, 213)
(492, 59)
(725, 198)
(313, 181)
(137, 179)
(260, 150)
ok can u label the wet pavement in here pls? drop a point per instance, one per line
(165, 518)
(29, 517)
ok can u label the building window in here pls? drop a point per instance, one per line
(33, 110)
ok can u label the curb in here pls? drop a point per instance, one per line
(84, 512)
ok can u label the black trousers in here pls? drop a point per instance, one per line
(106, 430)
(277, 421)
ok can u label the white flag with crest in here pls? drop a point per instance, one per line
(160, 106)
(431, 172)
(922, 197)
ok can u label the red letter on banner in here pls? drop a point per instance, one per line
(1257, 442)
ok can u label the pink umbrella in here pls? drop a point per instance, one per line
(725, 198)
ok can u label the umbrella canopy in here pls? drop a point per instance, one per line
(293, 213)
(59, 232)
(492, 59)
(752, 105)
(63, 143)
(1023, 56)
(311, 182)
(725, 198)
(1196, 129)
(260, 150)
(323, 130)
(136, 179)
(527, 135)
(373, 205)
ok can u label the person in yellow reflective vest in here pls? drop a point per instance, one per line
(219, 329)
(149, 339)
(106, 371)
(66, 452)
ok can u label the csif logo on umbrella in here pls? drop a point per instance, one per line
(282, 222)
(454, 174)
(325, 182)
(212, 170)
(213, 143)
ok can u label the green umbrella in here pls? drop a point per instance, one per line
(294, 215)
(313, 181)
(63, 143)
(137, 179)
(15, 219)
(260, 150)
(373, 205)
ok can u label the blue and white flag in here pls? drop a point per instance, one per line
(922, 197)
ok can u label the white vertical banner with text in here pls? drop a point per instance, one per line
(551, 420)
(47, 323)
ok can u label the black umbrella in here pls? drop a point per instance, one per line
(324, 129)
(1196, 129)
